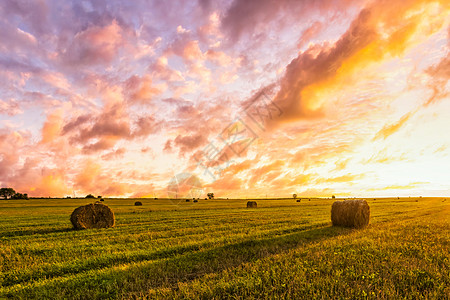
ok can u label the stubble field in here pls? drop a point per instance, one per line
(220, 249)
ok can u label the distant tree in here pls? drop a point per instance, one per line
(19, 196)
(294, 195)
(7, 192)
(210, 195)
(333, 197)
(90, 196)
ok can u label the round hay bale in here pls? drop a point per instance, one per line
(187, 200)
(102, 200)
(95, 215)
(138, 203)
(350, 213)
(298, 200)
(252, 204)
(195, 200)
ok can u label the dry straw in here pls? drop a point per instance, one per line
(350, 213)
(95, 215)
(252, 204)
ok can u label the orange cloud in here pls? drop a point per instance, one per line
(400, 187)
(86, 177)
(142, 90)
(261, 173)
(240, 167)
(390, 129)
(348, 178)
(380, 31)
(225, 184)
(52, 127)
(50, 186)
(92, 179)
(383, 157)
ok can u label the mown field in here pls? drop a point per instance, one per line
(220, 249)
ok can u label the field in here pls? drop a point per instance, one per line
(220, 249)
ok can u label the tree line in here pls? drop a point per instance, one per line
(11, 194)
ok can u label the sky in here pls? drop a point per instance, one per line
(240, 98)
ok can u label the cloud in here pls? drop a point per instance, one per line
(440, 75)
(25, 171)
(52, 126)
(251, 18)
(347, 178)
(384, 157)
(390, 129)
(189, 143)
(10, 143)
(53, 185)
(95, 45)
(309, 33)
(409, 186)
(141, 89)
(101, 131)
(225, 185)
(263, 173)
(377, 32)
(10, 108)
(115, 154)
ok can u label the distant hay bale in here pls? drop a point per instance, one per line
(195, 200)
(298, 200)
(95, 215)
(138, 203)
(102, 200)
(187, 200)
(350, 213)
(252, 204)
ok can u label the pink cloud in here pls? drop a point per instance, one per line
(189, 143)
(255, 17)
(141, 89)
(10, 107)
(95, 45)
(309, 33)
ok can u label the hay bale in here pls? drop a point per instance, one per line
(350, 213)
(187, 200)
(138, 203)
(252, 204)
(298, 200)
(95, 215)
(102, 200)
(195, 200)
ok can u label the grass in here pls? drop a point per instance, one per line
(170, 249)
